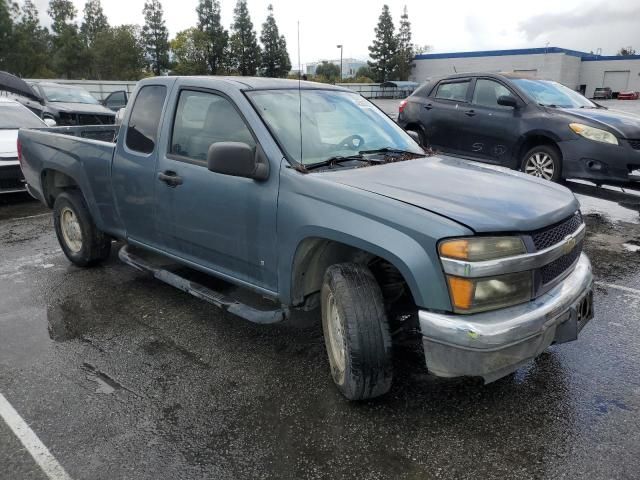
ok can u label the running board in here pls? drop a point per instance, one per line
(218, 299)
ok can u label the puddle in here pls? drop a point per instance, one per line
(104, 383)
(66, 321)
(631, 247)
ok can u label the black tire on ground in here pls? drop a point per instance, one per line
(86, 247)
(420, 133)
(366, 371)
(529, 165)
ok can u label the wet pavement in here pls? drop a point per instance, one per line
(122, 376)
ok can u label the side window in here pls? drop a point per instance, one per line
(202, 119)
(487, 92)
(142, 131)
(116, 99)
(453, 91)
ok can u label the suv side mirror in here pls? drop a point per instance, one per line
(50, 122)
(507, 101)
(237, 159)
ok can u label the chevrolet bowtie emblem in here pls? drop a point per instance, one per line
(569, 244)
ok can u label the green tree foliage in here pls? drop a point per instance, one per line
(405, 47)
(119, 54)
(384, 50)
(155, 37)
(327, 72)
(216, 38)
(244, 52)
(94, 22)
(190, 52)
(32, 44)
(68, 53)
(275, 59)
(626, 51)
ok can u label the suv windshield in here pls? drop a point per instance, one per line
(13, 117)
(334, 124)
(553, 94)
(67, 94)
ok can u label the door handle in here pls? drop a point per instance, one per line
(428, 106)
(170, 178)
(470, 113)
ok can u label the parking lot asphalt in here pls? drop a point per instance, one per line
(121, 376)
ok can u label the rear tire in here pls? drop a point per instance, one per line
(356, 332)
(420, 133)
(543, 161)
(80, 240)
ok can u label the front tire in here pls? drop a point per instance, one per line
(543, 161)
(81, 241)
(356, 332)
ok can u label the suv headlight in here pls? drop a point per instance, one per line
(595, 134)
(472, 295)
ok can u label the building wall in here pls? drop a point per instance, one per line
(592, 73)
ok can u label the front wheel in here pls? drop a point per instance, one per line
(80, 240)
(543, 161)
(356, 332)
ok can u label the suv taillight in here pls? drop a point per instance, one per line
(19, 145)
(403, 104)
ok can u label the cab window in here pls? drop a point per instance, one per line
(142, 131)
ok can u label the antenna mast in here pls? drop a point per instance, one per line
(300, 91)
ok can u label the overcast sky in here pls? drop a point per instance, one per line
(448, 26)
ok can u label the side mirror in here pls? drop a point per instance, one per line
(120, 116)
(237, 159)
(414, 136)
(50, 122)
(507, 101)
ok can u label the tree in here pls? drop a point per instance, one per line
(155, 37)
(94, 22)
(327, 72)
(420, 49)
(405, 47)
(244, 52)
(190, 52)
(7, 13)
(215, 35)
(384, 50)
(626, 51)
(119, 53)
(68, 53)
(32, 42)
(275, 59)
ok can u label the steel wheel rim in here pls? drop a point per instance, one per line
(71, 231)
(540, 165)
(336, 334)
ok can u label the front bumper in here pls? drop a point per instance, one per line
(11, 178)
(494, 344)
(589, 160)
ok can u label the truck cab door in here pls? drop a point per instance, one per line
(219, 223)
(491, 130)
(443, 114)
(134, 166)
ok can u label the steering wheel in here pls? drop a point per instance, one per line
(353, 142)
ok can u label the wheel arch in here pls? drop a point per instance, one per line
(535, 138)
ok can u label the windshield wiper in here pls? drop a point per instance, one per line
(329, 162)
(387, 150)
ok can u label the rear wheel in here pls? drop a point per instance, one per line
(422, 140)
(80, 240)
(356, 332)
(543, 161)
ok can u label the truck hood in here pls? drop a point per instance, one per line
(88, 108)
(625, 124)
(8, 143)
(482, 197)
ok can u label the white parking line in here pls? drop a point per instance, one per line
(31, 442)
(619, 287)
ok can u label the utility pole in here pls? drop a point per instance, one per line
(340, 47)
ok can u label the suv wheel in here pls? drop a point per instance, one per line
(543, 161)
(356, 332)
(81, 241)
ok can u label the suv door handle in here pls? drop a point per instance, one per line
(428, 106)
(470, 113)
(170, 178)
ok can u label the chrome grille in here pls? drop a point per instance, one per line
(556, 268)
(549, 236)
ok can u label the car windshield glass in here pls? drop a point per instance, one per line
(67, 94)
(16, 116)
(334, 124)
(548, 93)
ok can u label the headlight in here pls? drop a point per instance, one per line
(471, 295)
(595, 134)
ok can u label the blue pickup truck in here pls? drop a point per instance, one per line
(310, 197)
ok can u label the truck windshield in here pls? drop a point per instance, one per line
(13, 117)
(334, 124)
(67, 94)
(553, 94)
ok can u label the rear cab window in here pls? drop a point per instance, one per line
(455, 91)
(142, 130)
